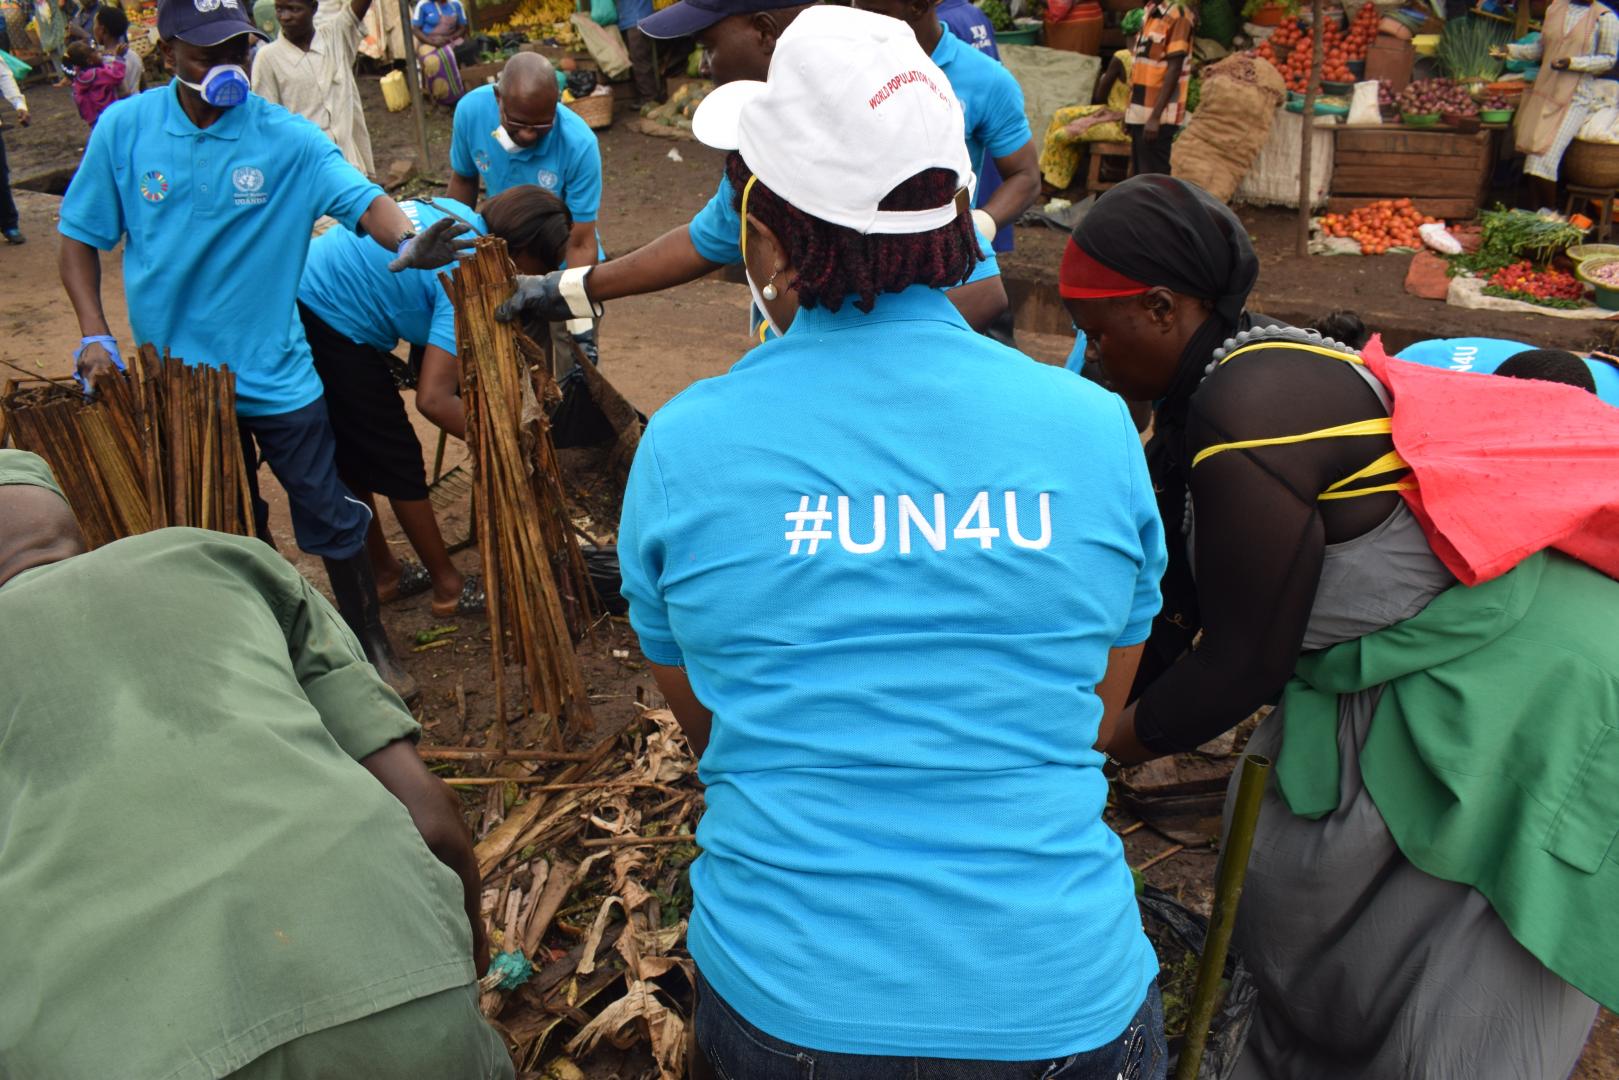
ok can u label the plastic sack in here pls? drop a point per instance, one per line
(1228, 1031)
(1363, 104)
(1436, 236)
(605, 45)
(1602, 126)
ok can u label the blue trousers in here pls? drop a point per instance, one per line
(302, 452)
(736, 1050)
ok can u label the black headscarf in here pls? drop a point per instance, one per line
(1160, 231)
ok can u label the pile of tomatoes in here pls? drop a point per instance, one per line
(1379, 226)
(1551, 287)
(1338, 46)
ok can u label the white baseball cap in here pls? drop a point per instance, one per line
(852, 109)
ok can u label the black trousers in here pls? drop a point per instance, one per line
(644, 66)
(8, 205)
(1151, 156)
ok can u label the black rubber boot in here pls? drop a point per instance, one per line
(356, 593)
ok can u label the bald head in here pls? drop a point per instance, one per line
(36, 524)
(528, 95)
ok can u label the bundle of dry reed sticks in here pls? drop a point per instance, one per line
(540, 597)
(157, 448)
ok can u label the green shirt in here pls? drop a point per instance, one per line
(194, 868)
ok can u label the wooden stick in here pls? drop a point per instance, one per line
(615, 841)
(472, 753)
(1169, 852)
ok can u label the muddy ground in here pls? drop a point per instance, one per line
(654, 346)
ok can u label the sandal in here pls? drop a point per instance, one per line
(472, 600)
(413, 581)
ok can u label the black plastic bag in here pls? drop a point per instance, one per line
(1228, 1031)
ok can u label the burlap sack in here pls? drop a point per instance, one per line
(1231, 124)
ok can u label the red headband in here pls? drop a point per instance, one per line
(1083, 278)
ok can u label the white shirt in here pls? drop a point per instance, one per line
(318, 82)
(133, 67)
(8, 89)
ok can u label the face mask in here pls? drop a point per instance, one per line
(225, 86)
(504, 139)
(758, 297)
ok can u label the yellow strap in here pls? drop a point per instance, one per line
(1381, 425)
(1403, 485)
(1319, 350)
(747, 189)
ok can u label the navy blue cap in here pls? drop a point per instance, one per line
(204, 22)
(689, 17)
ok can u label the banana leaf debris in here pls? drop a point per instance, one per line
(585, 896)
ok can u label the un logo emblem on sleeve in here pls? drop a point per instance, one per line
(547, 179)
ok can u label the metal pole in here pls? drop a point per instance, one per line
(414, 85)
(1307, 140)
(1228, 880)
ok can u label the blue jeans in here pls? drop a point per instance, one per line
(737, 1050)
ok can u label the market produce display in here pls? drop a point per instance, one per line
(1605, 274)
(1510, 236)
(1380, 226)
(1288, 49)
(1547, 288)
(1436, 96)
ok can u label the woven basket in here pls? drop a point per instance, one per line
(1591, 164)
(595, 110)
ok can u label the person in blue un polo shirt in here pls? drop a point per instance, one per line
(738, 38)
(515, 132)
(213, 192)
(893, 618)
(997, 131)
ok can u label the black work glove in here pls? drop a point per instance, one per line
(554, 297)
(440, 244)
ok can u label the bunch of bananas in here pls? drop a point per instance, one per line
(542, 18)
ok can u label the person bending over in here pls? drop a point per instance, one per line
(223, 855)
(355, 311)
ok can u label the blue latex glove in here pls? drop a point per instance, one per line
(108, 343)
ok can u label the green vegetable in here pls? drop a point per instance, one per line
(999, 17)
(433, 633)
(1511, 235)
(1464, 48)
(1529, 298)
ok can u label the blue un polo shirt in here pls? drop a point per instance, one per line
(215, 224)
(991, 100)
(567, 162)
(348, 284)
(1484, 355)
(896, 586)
(716, 233)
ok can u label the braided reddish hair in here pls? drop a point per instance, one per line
(835, 262)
